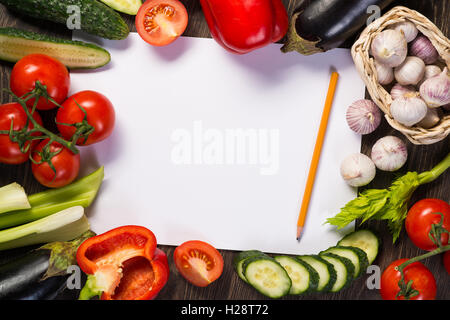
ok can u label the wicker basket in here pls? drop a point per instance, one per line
(365, 65)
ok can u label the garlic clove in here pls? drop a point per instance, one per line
(423, 48)
(408, 109)
(385, 74)
(408, 29)
(430, 72)
(398, 90)
(357, 170)
(431, 119)
(390, 48)
(436, 90)
(389, 153)
(411, 71)
(363, 116)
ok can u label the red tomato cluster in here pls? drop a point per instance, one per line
(87, 108)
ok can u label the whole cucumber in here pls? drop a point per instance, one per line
(94, 17)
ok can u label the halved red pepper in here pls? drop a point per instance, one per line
(123, 264)
(241, 26)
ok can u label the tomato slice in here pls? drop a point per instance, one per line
(198, 262)
(160, 22)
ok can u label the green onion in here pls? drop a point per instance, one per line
(13, 197)
(62, 226)
(80, 193)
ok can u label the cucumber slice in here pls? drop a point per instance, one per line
(16, 43)
(344, 270)
(130, 7)
(304, 278)
(267, 276)
(364, 239)
(357, 256)
(327, 273)
(241, 257)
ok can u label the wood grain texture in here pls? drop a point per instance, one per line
(229, 286)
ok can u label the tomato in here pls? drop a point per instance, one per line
(446, 260)
(423, 281)
(10, 152)
(66, 164)
(161, 22)
(99, 114)
(48, 71)
(198, 262)
(420, 218)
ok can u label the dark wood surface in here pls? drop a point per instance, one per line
(229, 286)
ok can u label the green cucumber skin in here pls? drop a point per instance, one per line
(96, 18)
(349, 238)
(331, 271)
(363, 260)
(241, 257)
(348, 265)
(33, 36)
(313, 275)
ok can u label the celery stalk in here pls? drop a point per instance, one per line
(79, 193)
(62, 226)
(13, 197)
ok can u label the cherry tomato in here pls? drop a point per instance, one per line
(10, 151)
(99, 114)
(160, 22)
(446, 259)
(420, 218)
(66, 164)
(198, 262)
(48, 71)
(423, 281)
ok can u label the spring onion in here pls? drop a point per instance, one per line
(62, 226)
(79, 193)
(13, 197)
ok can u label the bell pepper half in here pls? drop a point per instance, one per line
(241, 26)
(123, 264)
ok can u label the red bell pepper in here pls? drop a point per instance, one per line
(241, 26)
(123, 264)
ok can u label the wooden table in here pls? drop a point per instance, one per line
(229, 286)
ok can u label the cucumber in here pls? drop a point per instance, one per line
(267, 276)
(344, 270)
(16, 43)
(364, 239)
(126, 6)
(241, 257)
(304, 278)
(95, 17)
(357, 256)
(327, 273)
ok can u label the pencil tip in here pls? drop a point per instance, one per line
(299, 233)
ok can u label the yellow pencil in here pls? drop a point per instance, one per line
(316, 155)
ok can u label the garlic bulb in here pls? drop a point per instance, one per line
(430, 72)
(358, 170)
(430, 120)
(436, 90)
(411, 71)
(389, 47)
(398, 90)
(408, 29)
(423, 48)
(363, 116)
(408, 109)
(385, 74)
(389, 153)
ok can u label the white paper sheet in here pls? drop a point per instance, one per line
(216, 147)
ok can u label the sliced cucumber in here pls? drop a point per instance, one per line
(357, 256)
(364, 239)
(326, 271)
(16, 43)
(126, 6)
(304, 278)
(344, 270)
(267, 276)
(241, 257)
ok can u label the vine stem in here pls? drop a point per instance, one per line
(439, 250)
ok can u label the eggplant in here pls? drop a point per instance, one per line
(322, 25)
(40, 273)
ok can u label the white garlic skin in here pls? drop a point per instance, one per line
(389, 153)
(385, 74)
(358, 170)
(431, 71)
(390, 48)
(408, 109)
(408, 28)
(436, 90)
(399, 91)
(363, 116)
(430, 120)
(410, 72)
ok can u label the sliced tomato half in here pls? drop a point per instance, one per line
(198, 262)
(161, 22)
